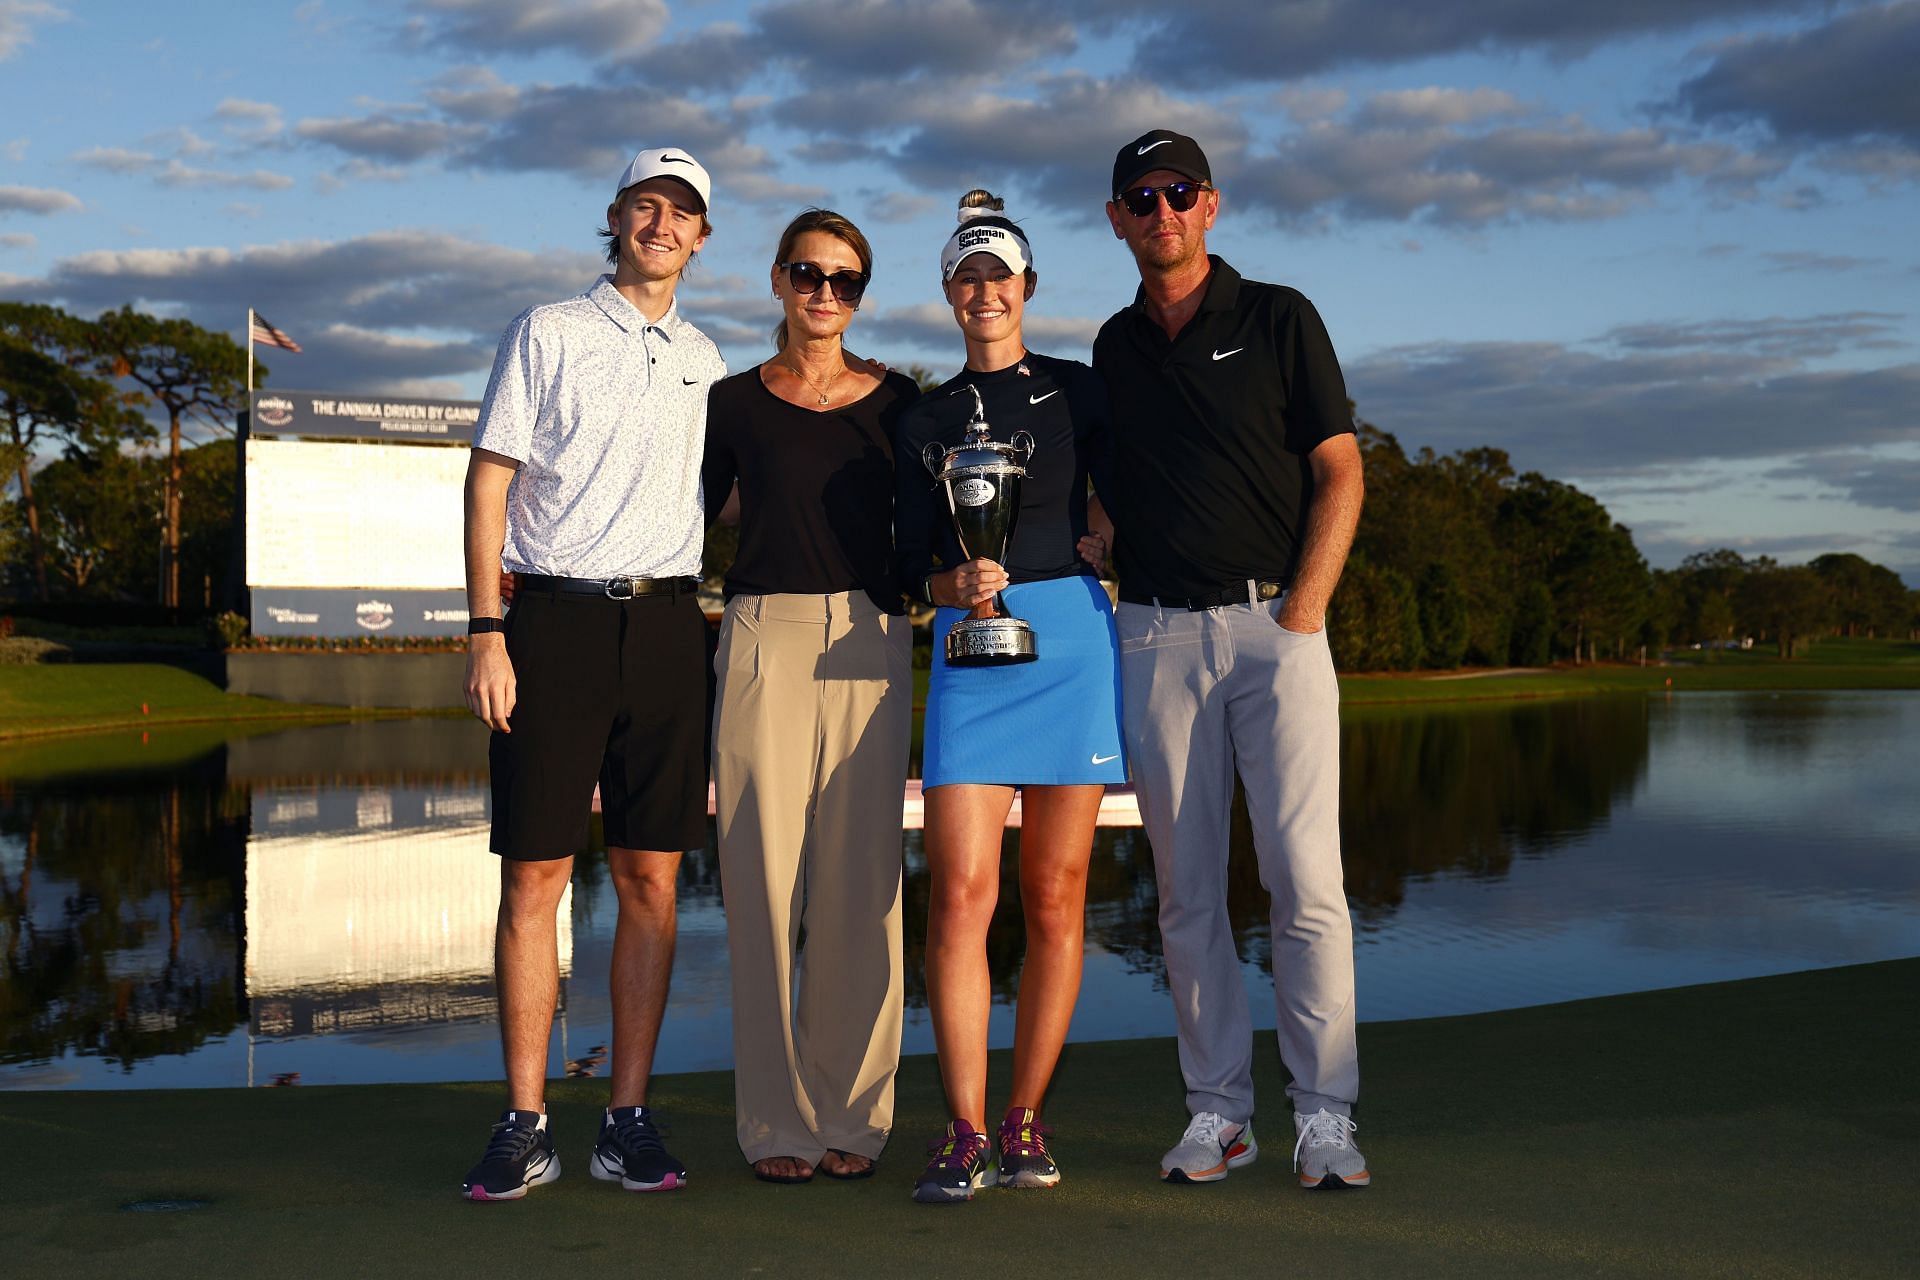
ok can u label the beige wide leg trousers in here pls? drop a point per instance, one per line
(809, 763)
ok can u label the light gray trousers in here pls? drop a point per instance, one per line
(1207, 693)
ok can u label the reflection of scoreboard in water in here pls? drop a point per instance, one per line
(372, 907)
(353, 518)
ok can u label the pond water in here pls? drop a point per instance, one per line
(316, 904)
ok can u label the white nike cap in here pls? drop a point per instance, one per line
(668, 162)
(1159, 149)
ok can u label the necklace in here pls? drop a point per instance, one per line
(824, 388)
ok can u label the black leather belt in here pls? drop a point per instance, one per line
(1263, 589)
(620, 588)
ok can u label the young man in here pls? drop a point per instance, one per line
(585, 485)
(1239, 489)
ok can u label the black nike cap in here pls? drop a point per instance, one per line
(1159, 149)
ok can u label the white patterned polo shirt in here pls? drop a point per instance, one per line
(607, 415)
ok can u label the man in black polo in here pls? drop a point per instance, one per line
(1239, 489)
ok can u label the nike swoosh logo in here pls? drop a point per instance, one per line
(1222, 355)
(675, 160)
(1100, 759)
(1038, 399)
(688, 382)
(1151, 145)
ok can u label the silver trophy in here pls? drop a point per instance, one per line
(981, 478)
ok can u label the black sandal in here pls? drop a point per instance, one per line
(873, 1166)
(785, 1179)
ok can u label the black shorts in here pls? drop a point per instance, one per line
(613, 691)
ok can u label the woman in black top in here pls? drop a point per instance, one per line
(810, 726)
(1049, 728)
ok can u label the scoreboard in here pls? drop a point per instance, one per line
(353, 514)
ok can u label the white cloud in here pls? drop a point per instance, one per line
(1470, 159)
(374, 311)
(249, 120)
(1643, 398)
(18, 18)
(179, 174)
(115, 159)
(40, 200)
(384, 137)
(1201, 42)
(591, 28)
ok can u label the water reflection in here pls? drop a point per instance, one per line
(371, 907)
(120, 914)
(319, 902)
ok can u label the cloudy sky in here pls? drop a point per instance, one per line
(1653, 247)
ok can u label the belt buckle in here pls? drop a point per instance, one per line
(1268, 590)
(620, 582)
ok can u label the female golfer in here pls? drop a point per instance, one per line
(1049, 728)
(810, 726)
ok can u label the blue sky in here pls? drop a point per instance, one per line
(1661, 248)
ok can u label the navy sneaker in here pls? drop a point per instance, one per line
(961, 1165)
(1024, 1158)
(630, 1152)
(519, 1155)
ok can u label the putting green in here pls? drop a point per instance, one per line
(1750, 1129)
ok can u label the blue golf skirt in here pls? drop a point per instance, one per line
(1049, 722)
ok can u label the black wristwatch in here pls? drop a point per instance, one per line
(480, 626)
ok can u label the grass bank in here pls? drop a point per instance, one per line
(1830, 664)
(1750, 1129)
(50, 698)
(46, 698)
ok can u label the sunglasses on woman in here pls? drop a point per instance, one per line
(1180, 197)
(806, 279)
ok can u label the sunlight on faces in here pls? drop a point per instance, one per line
(1164, 239)
(818, 314)
(988, 298)
(656, 227)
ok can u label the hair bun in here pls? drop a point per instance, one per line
(980, 203)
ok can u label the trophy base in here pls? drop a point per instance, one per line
(990, 642)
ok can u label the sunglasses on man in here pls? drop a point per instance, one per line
(1180, 197)
(807, 277)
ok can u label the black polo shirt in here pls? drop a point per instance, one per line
(1212, 431)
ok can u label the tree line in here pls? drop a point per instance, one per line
(105, 519)
(1459, 560)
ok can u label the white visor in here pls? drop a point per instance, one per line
(974, 237)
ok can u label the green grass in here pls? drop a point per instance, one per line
(65, 697)
(1832, 664)
(62, 697)
(1752, 1129)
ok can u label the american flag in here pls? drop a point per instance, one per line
(268, 336)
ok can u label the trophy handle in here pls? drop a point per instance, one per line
(1024, 443)
(934, 457)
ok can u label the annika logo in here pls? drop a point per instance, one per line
(275, 411)
(373, 615)
(973, 492)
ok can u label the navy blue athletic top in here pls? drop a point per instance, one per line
(1062, 404)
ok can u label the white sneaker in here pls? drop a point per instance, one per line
(1211, 1145)
(1324, 1154)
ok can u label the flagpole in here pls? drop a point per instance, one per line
(249, 355)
